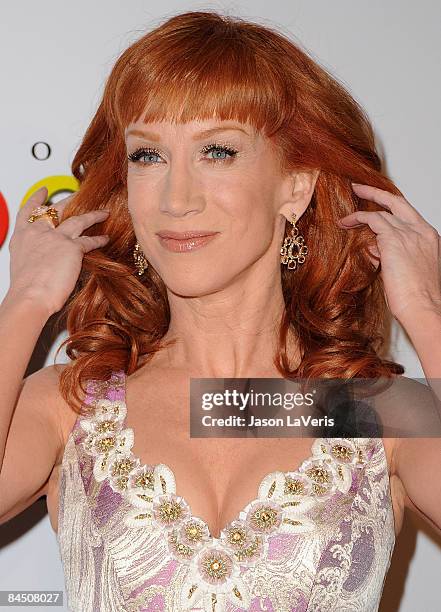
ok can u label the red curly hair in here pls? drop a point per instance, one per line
(335, 303)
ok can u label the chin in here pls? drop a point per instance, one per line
(196, 281)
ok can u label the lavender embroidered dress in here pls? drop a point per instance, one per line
(319, 538)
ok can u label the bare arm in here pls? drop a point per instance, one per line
(30, 434)
(418, 465)
(21, 322)
(418, 460)
(29, 425)
(423, 327)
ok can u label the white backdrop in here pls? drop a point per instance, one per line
(55, 57)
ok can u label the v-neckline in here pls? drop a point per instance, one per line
(121, 374)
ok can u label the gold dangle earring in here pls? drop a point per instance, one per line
(141, 262)
(293, 241)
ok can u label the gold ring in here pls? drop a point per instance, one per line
(45, 211)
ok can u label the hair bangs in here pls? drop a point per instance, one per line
(188, 78)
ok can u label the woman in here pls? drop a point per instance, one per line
(260, 150)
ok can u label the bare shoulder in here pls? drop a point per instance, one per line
(41, 390)
(407, 408)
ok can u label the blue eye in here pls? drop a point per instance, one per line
(220, 148)
(136, 156)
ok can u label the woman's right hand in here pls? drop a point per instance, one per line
(45, 262)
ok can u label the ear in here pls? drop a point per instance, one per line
(301, 187)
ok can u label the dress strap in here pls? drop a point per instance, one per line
(112, 389)
(97, 391)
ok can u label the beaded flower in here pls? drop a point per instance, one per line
(214, 564)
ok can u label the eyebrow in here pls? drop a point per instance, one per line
(198, 136)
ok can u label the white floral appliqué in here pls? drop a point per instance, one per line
(214, 564)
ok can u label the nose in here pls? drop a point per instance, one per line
(181, 194)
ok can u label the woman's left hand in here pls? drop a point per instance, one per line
(408, 248)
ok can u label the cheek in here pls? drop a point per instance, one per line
(137, 198)
(251, 216)
(136, 186)
(249, 238)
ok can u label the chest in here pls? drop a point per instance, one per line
(217, 477)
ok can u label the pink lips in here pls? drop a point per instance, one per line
(183, 235)
(179, 242)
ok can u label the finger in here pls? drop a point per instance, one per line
(61, 205)
(88, 243)
(37, 199)
(74, 226)
(397, 204)
(379, 219)
(374, 256)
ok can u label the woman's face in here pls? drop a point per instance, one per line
(183, 179)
